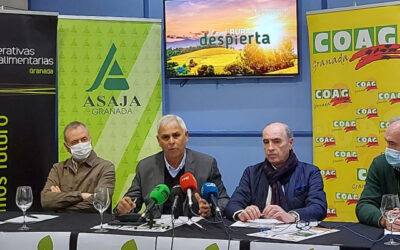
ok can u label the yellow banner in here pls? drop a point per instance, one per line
(355, 73)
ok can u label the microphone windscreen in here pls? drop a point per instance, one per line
(207, 189)
(188, 181)
(160, 193)
(176, 191)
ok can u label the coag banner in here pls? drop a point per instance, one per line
(27, 102)
(354, 56)
(110, 78)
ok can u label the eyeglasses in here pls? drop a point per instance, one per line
(306, 225)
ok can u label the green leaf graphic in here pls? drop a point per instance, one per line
(129, 245)
(212, 247)
(45, 244)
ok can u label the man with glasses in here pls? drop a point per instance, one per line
(71, 183)
(280, 187)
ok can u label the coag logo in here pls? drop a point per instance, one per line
(368, 112)
(331, 212)
(348, 155)
(383, 124)
(366, 85)
(362, 174)
(350, 198)
(337, 96)
(346, 125)
(328, 174)
(394, 97)
(353, 39)
(369, 141)
(326, 141)
(112, 76)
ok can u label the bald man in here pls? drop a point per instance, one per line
(383, 178)
(280, 187)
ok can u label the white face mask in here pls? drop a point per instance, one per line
(81, 150)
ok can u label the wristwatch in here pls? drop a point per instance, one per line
(295, 215)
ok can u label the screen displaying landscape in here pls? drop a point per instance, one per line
(230, 38)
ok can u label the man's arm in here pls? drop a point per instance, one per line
(107, 179)
(315, 203)
(367, 209)
(134, 193)
(241, 198)
(57, 200)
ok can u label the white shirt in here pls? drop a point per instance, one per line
(174, 171)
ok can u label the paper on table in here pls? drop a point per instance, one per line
(394, 233)
(258, 223)
(291, 233)
(31, 218)
(162, 224)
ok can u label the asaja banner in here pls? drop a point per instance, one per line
(27, 102)
(110, 79)
(354, 56)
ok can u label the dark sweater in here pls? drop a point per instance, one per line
(382, 179)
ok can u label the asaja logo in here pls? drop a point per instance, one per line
(348, 197)
(346, 125)
(328, 174)
(393, 97)
(348, 155)
(113, 78)
(362, 174)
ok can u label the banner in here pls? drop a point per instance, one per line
(354, 56)
(110, 79)
(27, 103)
(35, 240)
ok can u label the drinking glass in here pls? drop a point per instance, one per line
(24, 199)
(390, 210)
(101, 201)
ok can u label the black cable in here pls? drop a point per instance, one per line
(354, 232)
(173, 230)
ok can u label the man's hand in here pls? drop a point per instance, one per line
(85, 195)
(276, 212)
(125, 205)
(395, 226)
(249, 213)
(204, 207)
(55, 189)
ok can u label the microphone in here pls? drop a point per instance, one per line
(209, 191)
(189, 185)
(158, 196)
(176, 196)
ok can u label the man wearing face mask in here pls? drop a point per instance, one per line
(383, 178)
(71, 183)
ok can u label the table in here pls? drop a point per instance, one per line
(75, 228)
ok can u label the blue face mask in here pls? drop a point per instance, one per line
(393, 157)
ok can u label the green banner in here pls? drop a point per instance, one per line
(110, 78)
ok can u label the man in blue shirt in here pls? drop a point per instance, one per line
(281, 187)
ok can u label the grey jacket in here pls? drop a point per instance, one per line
(150, 172)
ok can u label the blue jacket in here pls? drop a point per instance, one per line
(304, 192)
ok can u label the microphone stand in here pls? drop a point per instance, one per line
(151, 220)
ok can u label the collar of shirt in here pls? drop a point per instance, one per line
(90, 161)
(174, 171)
